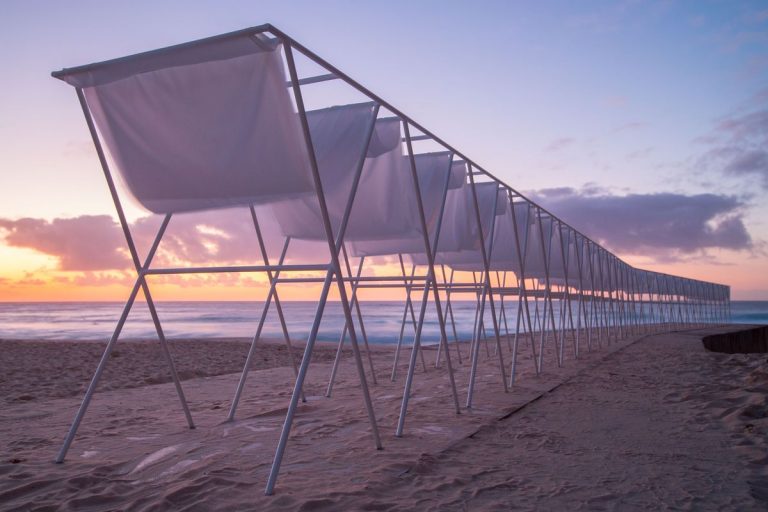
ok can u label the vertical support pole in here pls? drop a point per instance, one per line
(140, 283)
(408, 286)
(257, 335)
(343, 337)
(546, 252)
(521, 255)
(110, 345)
(449, 307)
(430, 248)
(486, 254)
(356, 303)
(334, 270)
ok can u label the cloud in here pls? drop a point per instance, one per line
(30, 279)
(640, 154)
(667, 225)
(616, 101)
(738, 148)
(97, 278)
(631, 126)
(748, 163)
(90, 249)
(613, 17)
(748, 126)
(92, 244)
(559, 144)
(88, 242)
(225, 236)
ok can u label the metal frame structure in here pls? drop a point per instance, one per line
(612, 299)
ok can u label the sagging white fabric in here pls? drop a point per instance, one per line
(385, 207)
(459, 241)
(503, 256)
(339, 137)
(206, 134)
(549, 252)
(460, 230)
(435, 171)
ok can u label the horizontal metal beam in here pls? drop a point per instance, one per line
(314, 79)
(168, 49)
(414, 138)
(236, 268)
(361, 279)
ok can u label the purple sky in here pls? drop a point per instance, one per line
(645, 124)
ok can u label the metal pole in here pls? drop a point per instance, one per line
(141, 282)
(407, 285)
(339, 348)
(257, 335)
(356, 303)
(521, 254)
(108, 349)
(430, 248)
(486, 255)
(335, 269)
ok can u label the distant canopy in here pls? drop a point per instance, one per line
(385, 203)
(460, 240)
(435, 171)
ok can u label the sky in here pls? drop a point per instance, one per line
(644, 124)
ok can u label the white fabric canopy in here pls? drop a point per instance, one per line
(536, 255)
(385, 207)
(339, 138)
(432, 170)
(207, 134)
(459, 241)
(504, 254)
(460, 230)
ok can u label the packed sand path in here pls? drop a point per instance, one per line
(652, 422)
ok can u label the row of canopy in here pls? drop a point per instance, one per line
(221, 130)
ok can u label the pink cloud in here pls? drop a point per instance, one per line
(667, 225)
(88, 242)
(95, 243)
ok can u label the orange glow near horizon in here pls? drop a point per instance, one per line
(41, 282)
(28, 276)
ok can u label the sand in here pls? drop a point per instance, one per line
(651, 422)
(33, 370)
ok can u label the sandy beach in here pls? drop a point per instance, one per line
(651, 422)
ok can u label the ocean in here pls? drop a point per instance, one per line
(96, 320)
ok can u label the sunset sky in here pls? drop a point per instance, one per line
(643, 124)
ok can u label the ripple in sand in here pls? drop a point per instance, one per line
(155, 457)
(144, 438)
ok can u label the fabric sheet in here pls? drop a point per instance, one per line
(503, 256)
(433, 170)
(204, 135)
(459, 243)
(339, 138)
